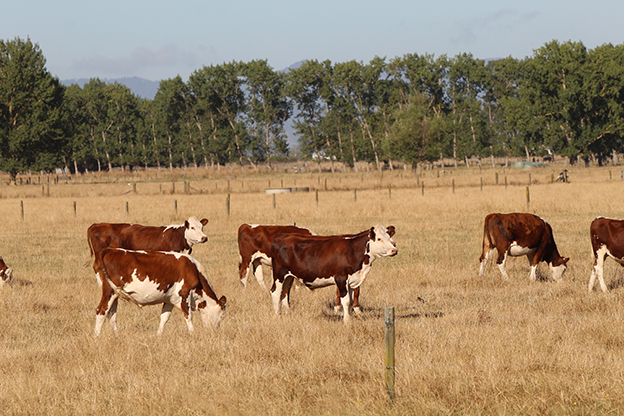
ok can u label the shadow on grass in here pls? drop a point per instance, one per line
(375, 314)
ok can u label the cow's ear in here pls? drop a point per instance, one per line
(222, 301)
(204, 221)
(566, 260)
(391, 230)
(186, 224)
(371, 233)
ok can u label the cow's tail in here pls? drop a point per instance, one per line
(91, 252)
(487, 239)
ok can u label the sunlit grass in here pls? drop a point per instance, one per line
(464, 344)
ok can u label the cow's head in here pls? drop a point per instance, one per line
(211, 311)
(194, 230)
(6, 273)
(380, 242)
(558, 268)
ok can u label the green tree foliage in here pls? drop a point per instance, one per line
(565, 100)
(32, 134)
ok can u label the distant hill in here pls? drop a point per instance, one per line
(141, 87)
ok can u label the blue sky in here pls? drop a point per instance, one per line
(161, 39)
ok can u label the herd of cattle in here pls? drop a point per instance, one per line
(152, 265)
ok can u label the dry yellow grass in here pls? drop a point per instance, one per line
(465, 345)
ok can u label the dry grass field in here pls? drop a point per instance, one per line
(464, 344)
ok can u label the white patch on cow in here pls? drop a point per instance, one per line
(172, 227)
(320, 282)
(516, 250)
(145, 292)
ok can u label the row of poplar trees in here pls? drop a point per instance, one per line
(564, 100)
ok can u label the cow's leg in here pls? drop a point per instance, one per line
(112, 313)
(165, 313)
(258, 272)
(356, 301)
(276, 294)
(598, 270)
(485, 257)
(338, 303)
(502, 260)
(108, 300)
(243, 270)
(285, 296)
(531, 258)
(345, 300)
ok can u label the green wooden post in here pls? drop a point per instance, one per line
(227, 204)
(355, 195)
(481, 183)
(74, 208)
(127, 208)
(273, 200)
(316, 197)
(389, 350)
(175, 206)
(528, 198)
(22, 210)
(453, 185)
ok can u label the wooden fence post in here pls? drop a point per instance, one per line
(175, 206)
(74, 208)
(22, 210)
(316, 197)
(227, 204)
(127, 208)
(389, 350)
(528, 198)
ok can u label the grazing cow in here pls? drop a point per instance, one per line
(254, 246)
(319, 261)
(607, 239)
(150, 278)
(6, 273)
(178, 238)
(520, 234)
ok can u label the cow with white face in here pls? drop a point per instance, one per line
(320, 261)
(521, 234)
(6, 273)
(150, 278)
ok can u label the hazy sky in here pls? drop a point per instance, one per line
(161, 39)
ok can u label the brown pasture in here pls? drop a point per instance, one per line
(464, 344)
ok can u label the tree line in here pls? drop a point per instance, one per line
(564, 100)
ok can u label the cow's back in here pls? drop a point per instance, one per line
(307, 256)
(104, 235)
(259, 237)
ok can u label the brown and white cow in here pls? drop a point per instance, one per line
(6, 273)
(150, 278)
(254, 246)
(520, 234)
(178, 238)
(319, 261)
(607, 239)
